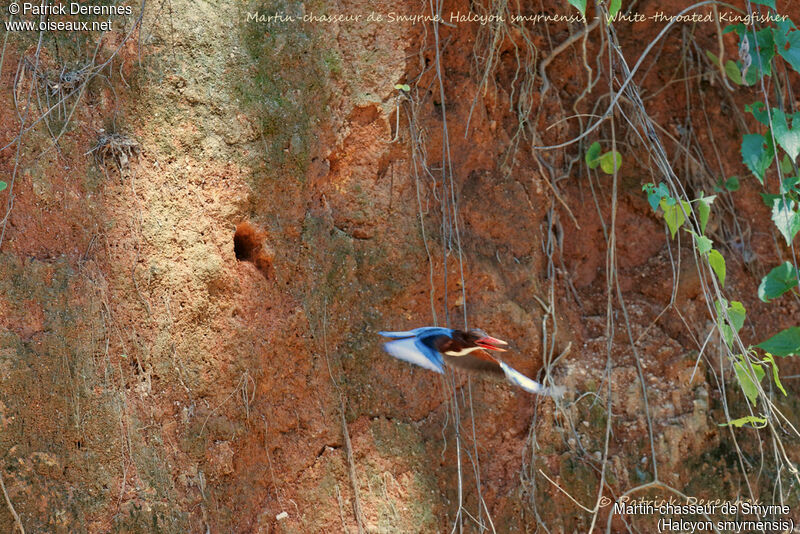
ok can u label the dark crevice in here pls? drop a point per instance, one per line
(248, 245)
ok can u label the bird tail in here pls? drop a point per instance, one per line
(529, 385)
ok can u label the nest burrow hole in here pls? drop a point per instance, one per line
(248, 245)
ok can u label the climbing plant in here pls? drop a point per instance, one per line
(758, 49)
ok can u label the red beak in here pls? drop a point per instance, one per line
(491, 343)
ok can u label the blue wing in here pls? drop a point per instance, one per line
(411, 350)
(422, 332)
(409, 333)
(531, 386)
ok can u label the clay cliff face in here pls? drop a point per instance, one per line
(193, 277)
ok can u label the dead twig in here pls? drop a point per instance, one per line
(17, 521)
(345, 432)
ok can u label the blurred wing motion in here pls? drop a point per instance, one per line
(532, 386)
(476, 362)
(407, 349)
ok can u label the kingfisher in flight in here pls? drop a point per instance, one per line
(432, 347)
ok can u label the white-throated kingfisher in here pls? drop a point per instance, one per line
(432, 347)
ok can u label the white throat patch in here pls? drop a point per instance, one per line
(462, 352)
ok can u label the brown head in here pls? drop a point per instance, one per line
(462, 343)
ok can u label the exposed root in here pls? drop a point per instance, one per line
(117, 147)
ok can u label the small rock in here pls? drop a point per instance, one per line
(46, 464)
(220, 456)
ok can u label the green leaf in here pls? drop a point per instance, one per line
(613, 8)
(779, 280)
(703, 244)
(673, 214)
(762, 61)
(738, 28)
(784, 343)
(769, 200)
(768, 357)
(788, 138)
(736, 314)
(788, 43)
(717, 263)
(732, 183)
(786, 165)
(3, 185)
(593, 155)
(731, 68)
(402, 87)
(786, 218)
(759, 111)
(704, 209)
(733, 72)
(580, 5)
(757, 154)
(788, 185)
(750, 419)
(749, 386)
(785, 25)
(610, 161)
(655, 194)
